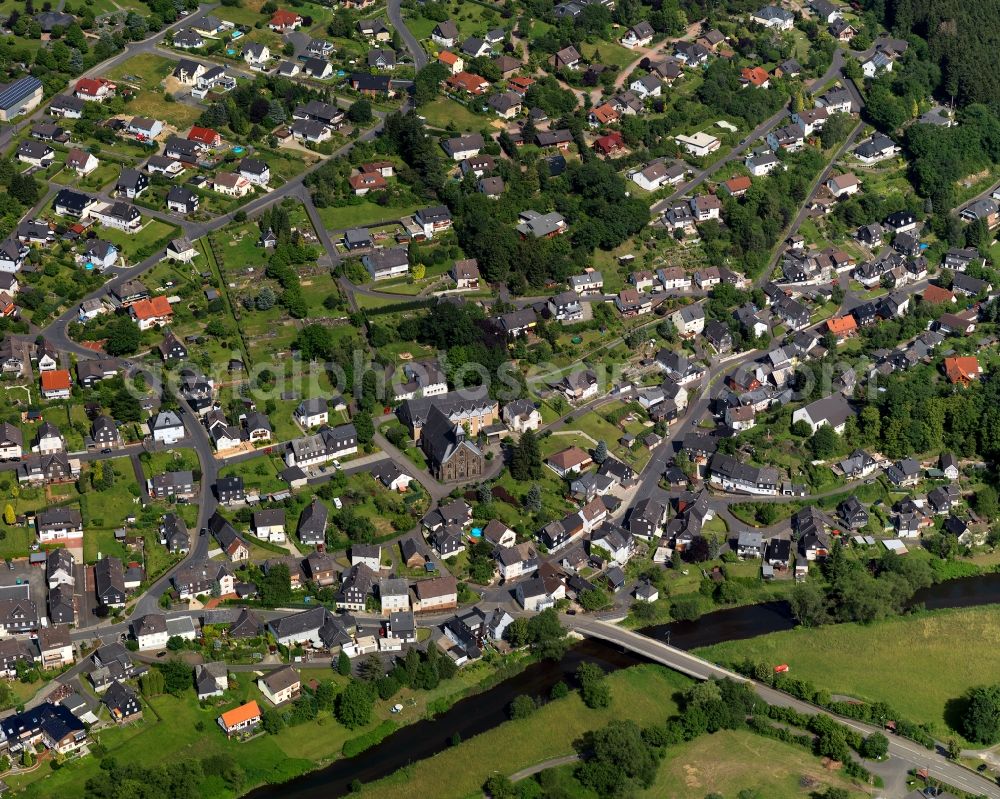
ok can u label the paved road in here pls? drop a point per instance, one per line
(412, 45)
(939, 766)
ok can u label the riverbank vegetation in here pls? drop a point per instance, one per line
(623, 759)
(920, 665)
(643, 694)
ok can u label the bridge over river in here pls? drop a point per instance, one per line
(906, 751)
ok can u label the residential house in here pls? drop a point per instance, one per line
(280, 686)
(833, 410)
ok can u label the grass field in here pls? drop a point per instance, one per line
(364, 213)
(518, 744)
(918, 664)
(730, 761)
(444, 111)
(152, 231)
(610, 53)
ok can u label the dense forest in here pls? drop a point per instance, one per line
(964, 40)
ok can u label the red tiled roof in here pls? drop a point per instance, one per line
(92, 86)
(755, 75)
(961, 369)
(241, 714)
(738, 184)
(152, 308)
(936, 294)
(204, 135)
(842, 324)
(283, 18)
(56, 380)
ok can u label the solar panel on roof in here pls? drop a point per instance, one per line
(15, 92)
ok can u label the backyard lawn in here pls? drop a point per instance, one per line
(152, 232)
(610, 53)
(444, 111)
(944, 652)
(363, 213)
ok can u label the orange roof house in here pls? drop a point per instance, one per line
(520, 84)
(154, 311)
(450, 60)
(936, 294)
(609, 144)
(467, 82)
(755, 76)
(738, 186)
(56, 382)
(284, 20)
(605, 114)
(962, 370)
(240, 718)
(205, 136)
(842, 326)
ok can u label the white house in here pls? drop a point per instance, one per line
(166, 427)
(256, 55)
(521, 415)
(698, 144)
(150, 631)
(312, 413)
(833, 411)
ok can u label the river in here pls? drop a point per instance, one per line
(482, 712)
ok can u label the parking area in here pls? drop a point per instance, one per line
(23, 577)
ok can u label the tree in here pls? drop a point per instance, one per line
(364, 426)
(594, 688)
(344, 665)
(620, 761)
(601, 451)
(875, 746)
(122, 337)
(275, 586)
(824, 442)
(526, 459)
(594, 599)
(273, 721)
(522, 707)
(808, 604)
(499, 786)
(360, 112)
(176, 676)
(698, 551)
(981, 721)
(8, 514)
(533, 499)
(427, 82)
(354, 705)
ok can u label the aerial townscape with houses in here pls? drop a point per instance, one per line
(527, 399)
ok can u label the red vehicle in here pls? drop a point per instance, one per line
(782, 669)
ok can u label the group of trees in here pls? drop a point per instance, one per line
(962, 38)
(280, 267)
(723, 92)
(543, 633)
(857, 591)
(756, 221)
